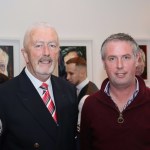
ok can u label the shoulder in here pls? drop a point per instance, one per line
(92, 84)
(62, 84)
(9, 84)
(91, 88)
(142, 86)
(3, 78)
(12, 86)
(90, 106)
(92, 100)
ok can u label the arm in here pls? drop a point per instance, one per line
(80, 105)
(85, 134)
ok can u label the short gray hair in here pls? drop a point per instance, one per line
(119, 37)
(34, 26)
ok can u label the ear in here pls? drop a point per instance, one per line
(25, 54)
(138, 55)
(104, 65)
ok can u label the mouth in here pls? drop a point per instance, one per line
(45, 60)
(70, 81)
(120, 75)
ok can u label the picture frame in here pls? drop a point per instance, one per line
(11, 47)
(144, 44)
(85, 46)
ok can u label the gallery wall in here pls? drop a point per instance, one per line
(78, 20)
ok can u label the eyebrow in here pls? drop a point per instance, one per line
(45, 41)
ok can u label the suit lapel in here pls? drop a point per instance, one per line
(61, 101)
(59, 97)
(82, 92)
(34, 104)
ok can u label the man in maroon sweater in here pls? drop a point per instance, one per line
(118, 116)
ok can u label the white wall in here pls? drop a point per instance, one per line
(78, 19)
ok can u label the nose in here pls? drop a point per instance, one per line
(68, 77)
(46, 50)
(119, 63)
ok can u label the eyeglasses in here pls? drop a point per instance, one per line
(50, 45)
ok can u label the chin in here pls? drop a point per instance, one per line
(46, 71)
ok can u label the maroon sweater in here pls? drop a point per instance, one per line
(100, 129)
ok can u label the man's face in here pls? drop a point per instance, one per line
(3, 65)
(42, 53)
(140, 68)
(120, 63)
(141, 65)
(73, 73)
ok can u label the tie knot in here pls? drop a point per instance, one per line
(44, 86)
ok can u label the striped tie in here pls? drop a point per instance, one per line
(48, 101)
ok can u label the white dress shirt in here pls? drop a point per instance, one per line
(37, 83)
(81, 85)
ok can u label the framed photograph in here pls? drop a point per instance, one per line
(145, 46)
(83, 48)
(9, 57)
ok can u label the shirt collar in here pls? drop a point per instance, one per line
(82, 84)
(107, 87)
(37, 83)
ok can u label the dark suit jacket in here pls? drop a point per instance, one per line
(88, 89)
(27, 123)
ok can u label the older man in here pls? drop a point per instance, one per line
(37, 109)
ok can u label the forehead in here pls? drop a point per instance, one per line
(118, 47)
(43, 34)
(2, 57)
(71, 67)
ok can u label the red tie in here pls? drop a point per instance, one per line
(48, 101)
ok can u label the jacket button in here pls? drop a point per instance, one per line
(36, 145)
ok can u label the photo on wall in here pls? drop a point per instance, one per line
(144, 74)
(9, 57)
(6, 61)
(144, 45)
(73, 51)
(83, 49)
